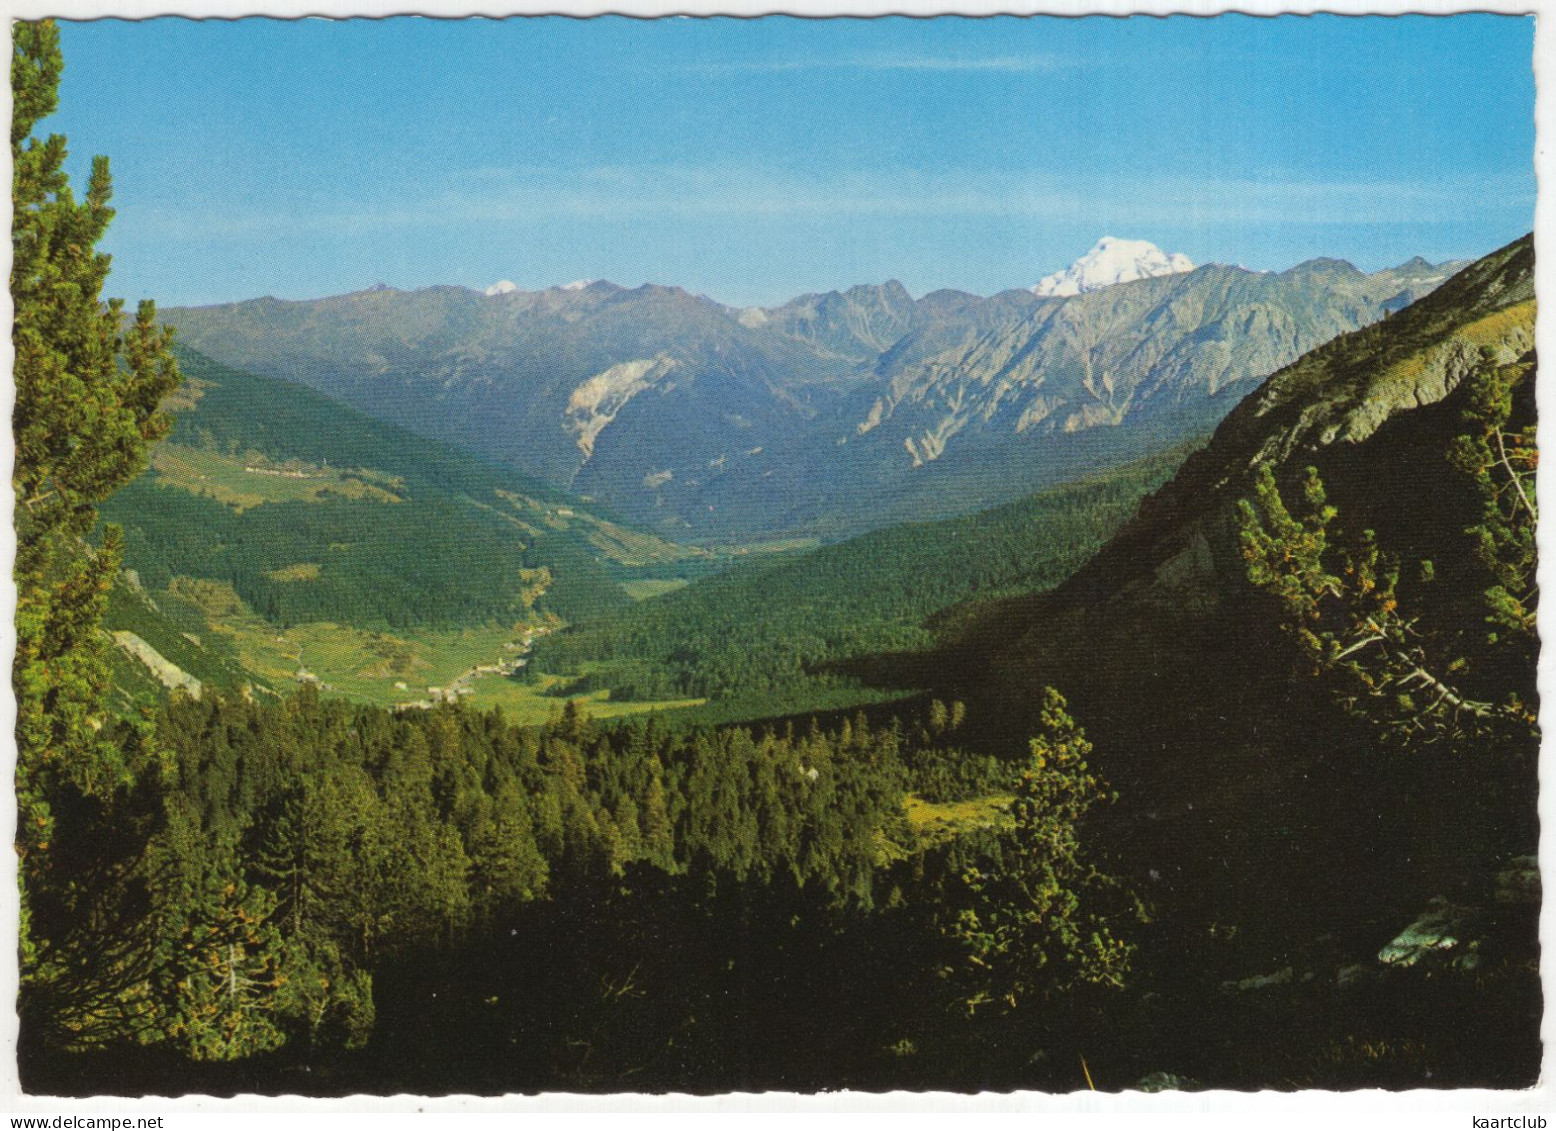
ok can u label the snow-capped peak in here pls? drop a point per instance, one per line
(577, 284)
(1112, 261)
(505, 287)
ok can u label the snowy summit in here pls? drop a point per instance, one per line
(508, 286)
(1112, 261)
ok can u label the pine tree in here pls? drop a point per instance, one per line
(331, 999)
(658, 831)
(506, 864)
(1044, 922)
(221, 970)
(87, 392)
(1500, 461)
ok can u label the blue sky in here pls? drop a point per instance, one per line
(753, 160)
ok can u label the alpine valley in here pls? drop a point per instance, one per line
(1124, 682)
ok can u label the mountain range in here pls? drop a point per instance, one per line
(828, 415)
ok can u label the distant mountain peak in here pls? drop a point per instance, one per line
(578, 284)
(502, 287)
(1112, 261)
(1325, 264)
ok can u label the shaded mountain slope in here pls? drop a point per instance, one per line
(1321, 409)
(1247, 793)
(1288, 854)
(164, 643)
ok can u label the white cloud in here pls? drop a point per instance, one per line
(735, 193)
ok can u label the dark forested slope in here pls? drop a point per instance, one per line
(1284, 788)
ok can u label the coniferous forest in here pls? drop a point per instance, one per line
(1212, 765)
